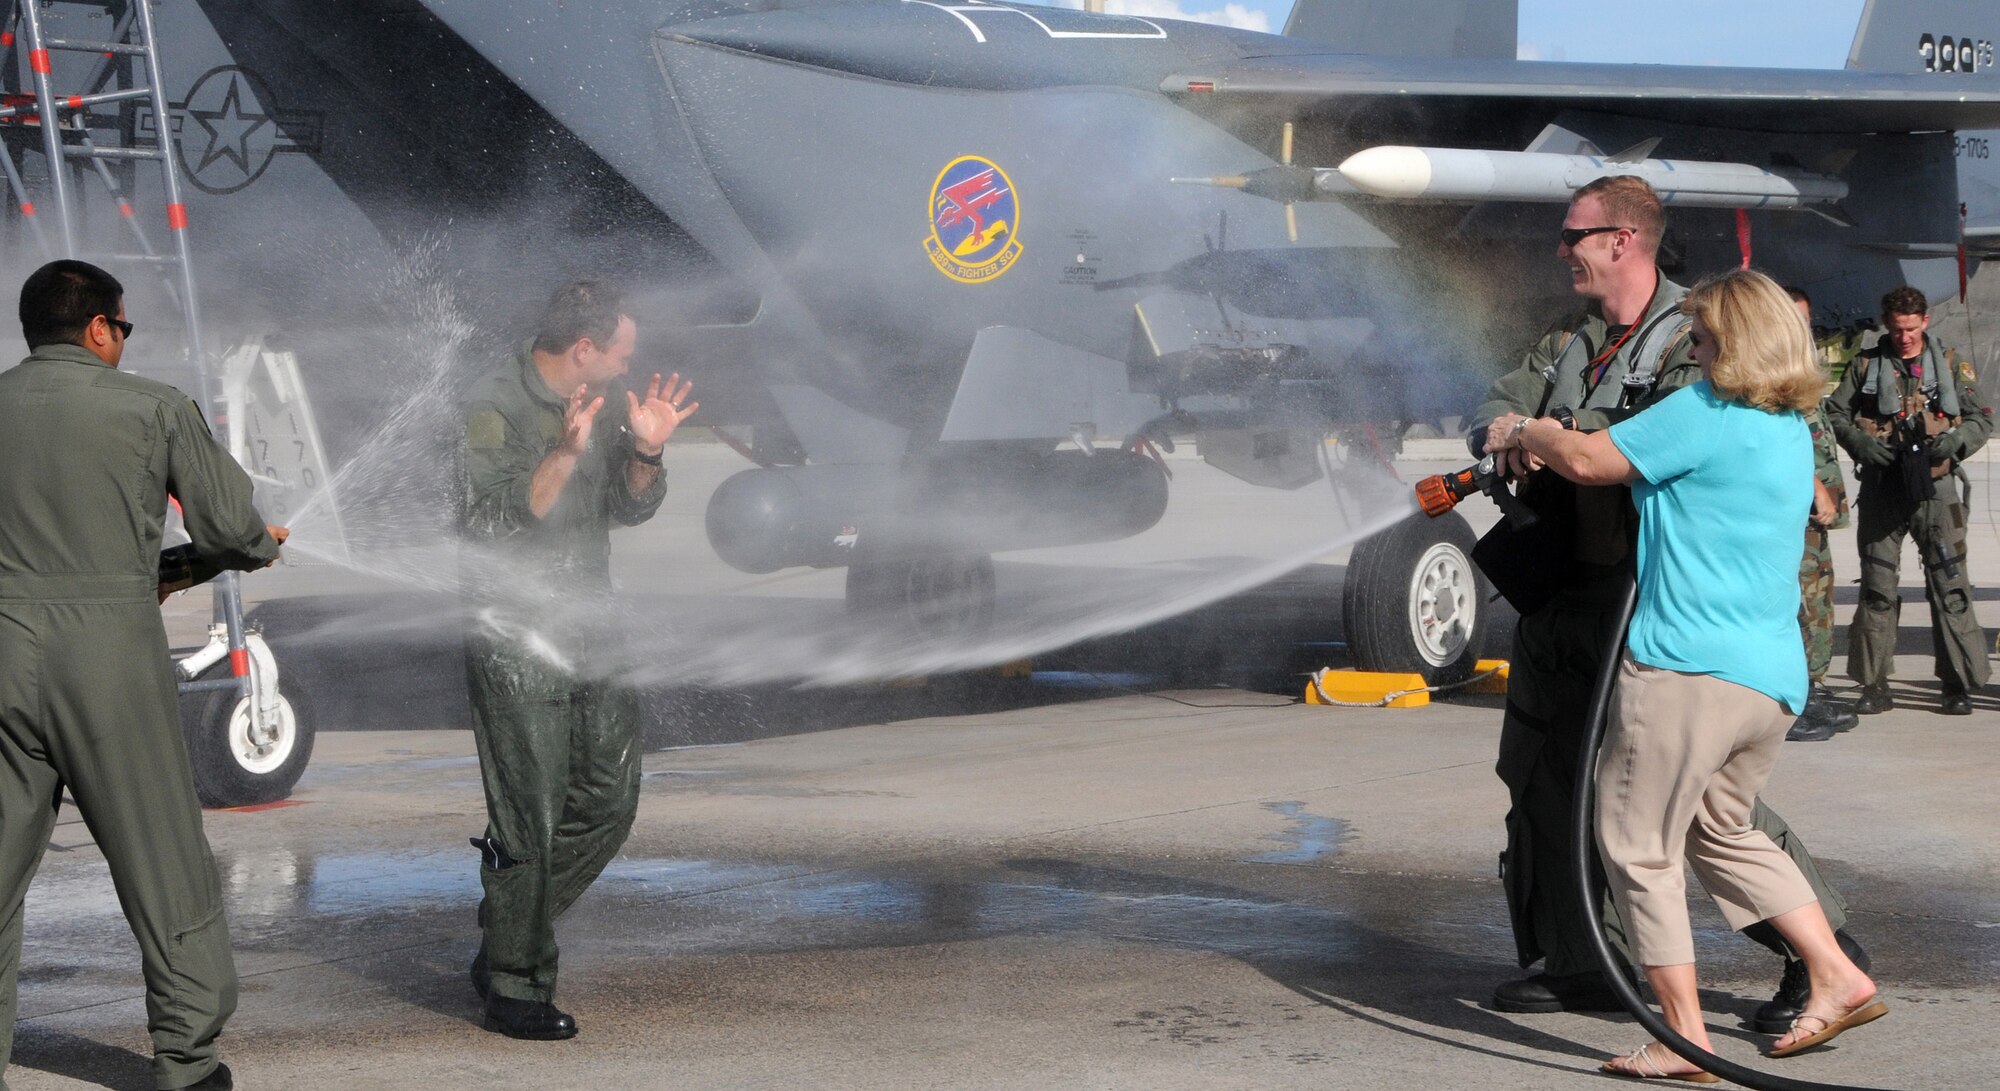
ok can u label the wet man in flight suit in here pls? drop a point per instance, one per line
(1597, 367)
(88, 456)
(1909, 383)
(552, 455)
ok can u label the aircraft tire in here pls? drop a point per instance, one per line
(936, 596)
(1414, 602)
(230, 768)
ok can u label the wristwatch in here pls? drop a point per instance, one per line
(1561, 415)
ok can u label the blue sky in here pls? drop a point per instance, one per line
(1754, 33)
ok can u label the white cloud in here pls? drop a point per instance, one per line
(1241, 16)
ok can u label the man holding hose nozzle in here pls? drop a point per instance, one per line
(1909, 412)
(88, 457)
(1597, 368)
(1714, 671)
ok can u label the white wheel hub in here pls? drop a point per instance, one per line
(262, 751)
(1444, 603)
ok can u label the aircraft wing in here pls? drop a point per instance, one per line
(1757, 99)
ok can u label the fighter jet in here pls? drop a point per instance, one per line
(953, 269)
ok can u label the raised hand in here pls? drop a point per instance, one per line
(577, 419)
(654, 418)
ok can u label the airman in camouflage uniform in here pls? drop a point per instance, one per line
(1823, 716)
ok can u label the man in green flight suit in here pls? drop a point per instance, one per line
(1909, 411)
(552, 455)
(88, 457)
(1590, 371)
(1823, 716)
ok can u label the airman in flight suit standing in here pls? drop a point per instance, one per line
(88, 456)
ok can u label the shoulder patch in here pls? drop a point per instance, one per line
(1965, 373)
(485, 430)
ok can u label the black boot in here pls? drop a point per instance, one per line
(1956, 701)
(1809, 727)
(1775, 1015)
(218, 1080)
(1874, 699)
(534, 1020)
(1542, 993)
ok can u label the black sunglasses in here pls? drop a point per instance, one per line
(123, 327)
(1572, 235)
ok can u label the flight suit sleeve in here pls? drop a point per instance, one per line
(1975, 423)
(496, 471)
(1839, 407)
(214, 492)
(632, 510)
(1519, 391)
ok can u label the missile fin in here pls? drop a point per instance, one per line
(1637, 153)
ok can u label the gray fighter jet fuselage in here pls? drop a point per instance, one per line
(957, 263)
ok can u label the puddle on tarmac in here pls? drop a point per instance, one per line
(694, 905)
(1311, 836)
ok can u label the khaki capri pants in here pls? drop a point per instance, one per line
(1683, 761)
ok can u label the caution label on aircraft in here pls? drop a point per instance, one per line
(975, 221)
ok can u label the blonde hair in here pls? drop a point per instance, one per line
(1629, 202)
(1763, 352)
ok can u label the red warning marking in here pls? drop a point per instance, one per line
(1200, 87)
(239, 662)
(27, 208)
(6, 39)
(76, 101)
(255, 807)
(38, 59)
(125, 208)
(177, 216)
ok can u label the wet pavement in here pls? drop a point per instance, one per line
(1042, 882)
(1119, 892)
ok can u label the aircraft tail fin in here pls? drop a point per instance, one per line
(1410, 28)
(1954, 38)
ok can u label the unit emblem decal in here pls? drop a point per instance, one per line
(975, 221)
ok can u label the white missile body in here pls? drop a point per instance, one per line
(1400, 172)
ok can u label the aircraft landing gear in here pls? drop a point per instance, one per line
(937, 596)
(1414, 602)
(245, 748)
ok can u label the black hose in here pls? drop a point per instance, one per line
(1585, 849)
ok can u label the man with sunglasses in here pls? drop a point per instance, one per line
(1625, 350)
(88, 457)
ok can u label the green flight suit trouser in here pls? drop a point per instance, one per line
(559, 756)
(1556, 655)
(87, 702)
(1957, 642)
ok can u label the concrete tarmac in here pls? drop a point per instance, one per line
(1207, 887)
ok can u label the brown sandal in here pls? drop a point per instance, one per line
(1867, 1011)
(1641, 1059)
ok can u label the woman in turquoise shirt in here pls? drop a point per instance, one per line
(1714, 671)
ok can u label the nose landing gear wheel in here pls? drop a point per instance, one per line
(235, 764)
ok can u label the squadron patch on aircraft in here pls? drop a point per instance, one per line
(975, 221)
